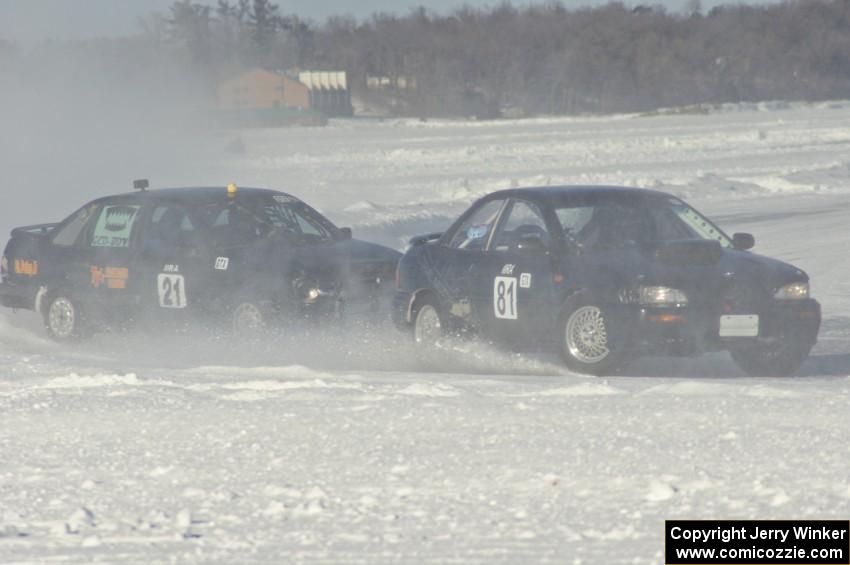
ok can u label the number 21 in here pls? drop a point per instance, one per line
(172, 291)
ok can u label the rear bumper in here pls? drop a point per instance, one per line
(401, 309)
(17, 296)
(690, 331)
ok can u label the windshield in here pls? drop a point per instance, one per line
(296, 220)
(673, 219)
(614, 222)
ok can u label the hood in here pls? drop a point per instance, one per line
(730, 264)
(348, 252)
(704, 270)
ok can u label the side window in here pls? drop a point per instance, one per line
(170, 227)
(524, 219)
(473, 232)
(234, 225)
(69, 233)
(574, 218)
(614, 225)
(114, 225)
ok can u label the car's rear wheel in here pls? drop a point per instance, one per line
(64, 320)
(781, 358)
(586, 346)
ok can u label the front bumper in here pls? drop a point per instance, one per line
(692, 330)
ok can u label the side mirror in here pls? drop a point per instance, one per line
(743, 241)
(531, 243)
(343, 234)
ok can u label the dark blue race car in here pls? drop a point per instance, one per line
(247, 257)
(604, 274)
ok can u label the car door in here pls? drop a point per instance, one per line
(515, 276)
(101, 264)
(460, 260)
(175, 262)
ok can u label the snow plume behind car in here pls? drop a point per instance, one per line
(80, 120)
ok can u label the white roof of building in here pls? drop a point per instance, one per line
(324, 80)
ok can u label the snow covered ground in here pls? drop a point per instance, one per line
(329, 448)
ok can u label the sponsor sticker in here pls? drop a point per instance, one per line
(114, 226)
(112, 277)
(26, 268)
(508, 269)
(525, 280)
(221, 263)
(477, 232)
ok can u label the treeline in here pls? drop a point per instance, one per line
(543, 59)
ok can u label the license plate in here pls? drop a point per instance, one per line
(739, 326)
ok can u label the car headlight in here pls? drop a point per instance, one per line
(793, 291)
(654, 296)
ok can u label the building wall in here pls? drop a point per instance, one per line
(262, 89)
(329, 92)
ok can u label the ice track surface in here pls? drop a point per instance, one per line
(331, 447)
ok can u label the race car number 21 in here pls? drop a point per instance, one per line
(504, 298)
(172, 291)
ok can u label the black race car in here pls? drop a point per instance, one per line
(604, 274)
(246, 256)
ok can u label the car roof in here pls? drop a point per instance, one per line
(553, 192)
(198, 193)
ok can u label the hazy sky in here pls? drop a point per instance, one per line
(33, 20)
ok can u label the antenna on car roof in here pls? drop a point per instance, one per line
(141, 184)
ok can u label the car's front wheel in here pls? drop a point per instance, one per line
(64, 319)
(781, 358)
(249, 319)
(427, 325)
(586, 346)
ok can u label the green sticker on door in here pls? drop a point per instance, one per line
(114, 226)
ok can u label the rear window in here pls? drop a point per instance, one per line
(68, 234)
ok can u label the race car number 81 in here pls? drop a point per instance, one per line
(172, 291)
(504, 298)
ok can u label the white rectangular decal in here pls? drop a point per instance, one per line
(221, 263)
(739, 326)
(504, 298)
(172, 291)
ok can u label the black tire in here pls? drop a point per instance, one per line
(779, 359)
(584, 339)
(250, 319)
(427, 326)
(64, 320)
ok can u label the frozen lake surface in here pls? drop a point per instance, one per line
(331, 447)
